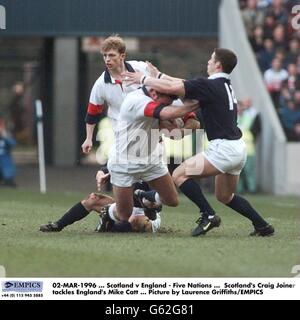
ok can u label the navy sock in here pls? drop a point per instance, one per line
(76, 213)
(123, 226)
(243, 207)
(193, 191)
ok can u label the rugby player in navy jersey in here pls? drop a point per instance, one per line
(226, 153)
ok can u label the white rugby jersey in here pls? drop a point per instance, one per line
(112, 92)
(136, 143)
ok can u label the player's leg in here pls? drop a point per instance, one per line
(164, 191)
(96, 201)
(225, 186)
(75, 213)
(124, 206)
(184, 177)
(197, 166)
(80, 210)
(124, 202)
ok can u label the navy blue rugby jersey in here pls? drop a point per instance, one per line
(218, 104)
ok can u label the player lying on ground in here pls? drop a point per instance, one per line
(145, 215)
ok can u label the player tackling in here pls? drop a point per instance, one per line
(226, 153)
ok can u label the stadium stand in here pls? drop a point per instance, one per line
(276, 45)
(278, 159)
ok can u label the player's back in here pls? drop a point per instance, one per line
(218, 104)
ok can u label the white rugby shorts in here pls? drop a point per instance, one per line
(120, 178)
(228, 156)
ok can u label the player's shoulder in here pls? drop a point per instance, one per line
(200, 81)
(137, 65)
(100, 80)
(137, 97)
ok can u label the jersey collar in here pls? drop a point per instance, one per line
(146, 92)
(219, 75)
(109, 79)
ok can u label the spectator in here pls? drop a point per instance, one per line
(264, 4)
(279, 37)
(257, 39)
(7, 166)
(274, 78)
(294, 51)
(290, 117)
(252, 16)
(247, 116)
(16, 110)
(269, 25)
(279, 12)
(266, 55)
(293, 77)
(280, 54)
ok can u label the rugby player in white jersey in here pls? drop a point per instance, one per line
(137, 153)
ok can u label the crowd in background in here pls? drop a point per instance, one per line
(276, 44)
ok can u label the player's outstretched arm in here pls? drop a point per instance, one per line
(168, 85)
(155, 73)
(173, 112)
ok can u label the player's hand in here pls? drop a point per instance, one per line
(153, 71)
(168, 124)
(132, 77)
(192, 124)
(101, 179)
(87, 146)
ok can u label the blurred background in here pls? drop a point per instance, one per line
(49, 50)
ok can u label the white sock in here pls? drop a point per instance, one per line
(157, 198)
(111, 212)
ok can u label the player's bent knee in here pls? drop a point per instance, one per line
(172, 202)
(89, 202)
(178, 178)
(223, 198)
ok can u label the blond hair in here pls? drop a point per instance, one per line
(113, 42)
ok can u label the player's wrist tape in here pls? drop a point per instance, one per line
(190, 115)
(143, 78)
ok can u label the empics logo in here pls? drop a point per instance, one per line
(296, 19)
(22, 286)
(2, 18)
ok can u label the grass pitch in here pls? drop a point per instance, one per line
(78, 251)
